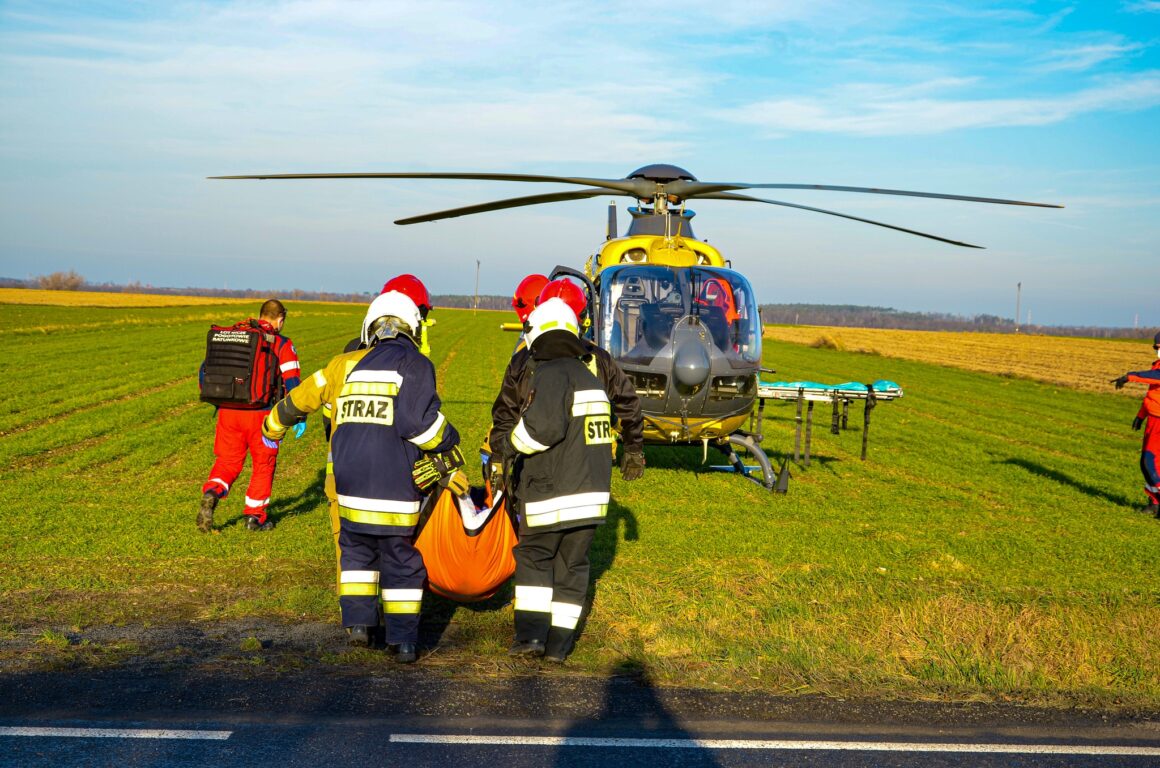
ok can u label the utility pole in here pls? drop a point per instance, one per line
(475, 304)
(1018, 296)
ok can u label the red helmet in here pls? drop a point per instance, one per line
(572, 294)
(527, 292)
(413, 288)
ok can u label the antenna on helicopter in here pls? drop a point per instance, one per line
(612, 230)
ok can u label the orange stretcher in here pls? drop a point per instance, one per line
(467, 548)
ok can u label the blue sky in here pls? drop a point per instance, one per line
(113, 113)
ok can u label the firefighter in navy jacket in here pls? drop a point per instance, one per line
(390, 444)
(560, 483)
(1148, 417)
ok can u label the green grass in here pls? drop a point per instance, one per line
(986, 550)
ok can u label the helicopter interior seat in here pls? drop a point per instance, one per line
(655, 326)
(713, 318)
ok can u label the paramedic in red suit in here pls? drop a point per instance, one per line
(1148, 417)
(240, 432)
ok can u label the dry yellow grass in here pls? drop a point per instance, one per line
(99, 299)
(1086, 364)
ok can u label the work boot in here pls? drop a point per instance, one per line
(527, 648)
(358, 636)
(406, 653)
(205, 512)
(252, 524)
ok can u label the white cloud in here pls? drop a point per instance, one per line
(1084, 57)
(868, 110)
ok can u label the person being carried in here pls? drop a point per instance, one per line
(238, 430)
(560, 482)
(391, 444)
(1148, 417)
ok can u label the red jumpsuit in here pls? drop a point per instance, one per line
(1150, 451)
(240, 432)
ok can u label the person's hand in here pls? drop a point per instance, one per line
(271, 444)
(1137, 423)
(1120, 382)
(495, 476)
(299, 429)
(632, 464)
(425, 473)
(456, 482)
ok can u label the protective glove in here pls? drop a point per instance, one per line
(1120, 382)
(435, 467)
(495, 477)
(299, 429)
(272, 444)
(632, 464)
(456, 482)
(1137, 423)
(425, 473)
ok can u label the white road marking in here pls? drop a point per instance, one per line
(115, 733)
(843, 746)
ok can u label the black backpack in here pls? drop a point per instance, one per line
(241, 367)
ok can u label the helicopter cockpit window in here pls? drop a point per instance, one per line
(724, 301)
(640, 305)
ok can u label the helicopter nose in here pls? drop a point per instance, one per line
(691, 364)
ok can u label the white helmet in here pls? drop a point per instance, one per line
(552, 315)
(392, 304)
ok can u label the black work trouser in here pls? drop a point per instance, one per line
(551, 581)
(391, 562)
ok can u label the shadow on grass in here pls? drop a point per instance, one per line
(1059, 477)
(312, 497)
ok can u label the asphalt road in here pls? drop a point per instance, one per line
(414, 717)
(215, 708)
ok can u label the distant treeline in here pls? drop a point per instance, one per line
(842, 315)
(847, 315)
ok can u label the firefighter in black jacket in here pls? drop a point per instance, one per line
(617, 385)
(560, 483)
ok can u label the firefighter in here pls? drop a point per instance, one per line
(560, 483)
(617, 385)
(413, 287)
(1148, 417)
(390, 445)
(239, 432)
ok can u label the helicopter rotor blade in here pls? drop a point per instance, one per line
(513, 202)
(733, 196)
(692, 189)
(635, 187)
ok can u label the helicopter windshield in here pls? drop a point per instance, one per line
(640, 304)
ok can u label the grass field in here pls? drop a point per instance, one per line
(988, 549)
(1087, 364)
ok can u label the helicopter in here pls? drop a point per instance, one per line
(683, 325)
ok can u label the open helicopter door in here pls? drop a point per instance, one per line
(467, 549)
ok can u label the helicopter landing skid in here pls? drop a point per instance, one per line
(778, 482)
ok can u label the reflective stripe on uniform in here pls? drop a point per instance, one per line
(253, 503)
(381, 388)
(290, 366)
(433, 435)
(358, 583)
(383, 512)
(590, 402)
(537, 599)
(402, 600)
(225, 486)
(525, 443)
(376, 377)
(564, 509)
(319, 378)
(566, 615)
